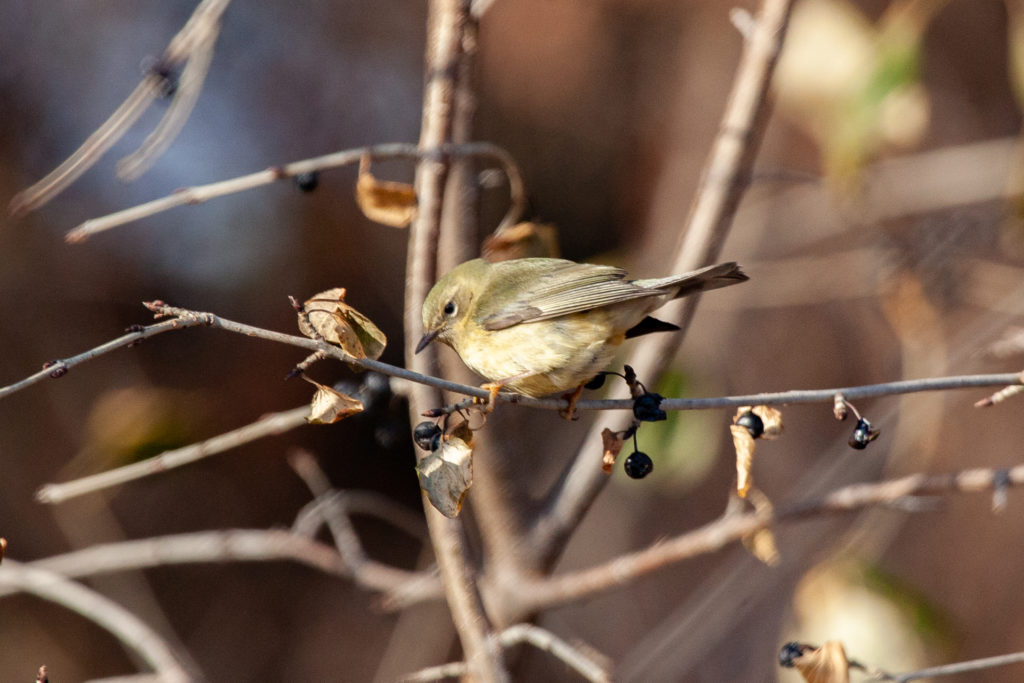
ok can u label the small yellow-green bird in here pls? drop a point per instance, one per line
(539, 326)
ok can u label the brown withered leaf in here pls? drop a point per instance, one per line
(827, 664)
(331, 319)
(761, 543)
(771, 418)
(384, 201)
(3, 548)
(744, 444)
(446, 475)
(329, 405)
(612, 445)
(521, 240)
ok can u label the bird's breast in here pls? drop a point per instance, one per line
(543, 357)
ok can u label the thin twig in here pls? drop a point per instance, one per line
(366, 503)
(185, 318)
(55, 369)
(540, 638)
(198, 34)
(133, 633)
(346, 540)
(961, 667)
(543, 593)
(394, 150)
(268, 425)
(233, 545)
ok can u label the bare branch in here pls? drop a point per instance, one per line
(721, 185)
(133, 633)
(961, 667)
(268, 425)
(55, 369)
(185, 318)
(395, 150)
(540, 638)
(544, 593)
(449, 31)
(365, 571)
(195, 38)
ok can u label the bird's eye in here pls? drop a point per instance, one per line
(449, 308)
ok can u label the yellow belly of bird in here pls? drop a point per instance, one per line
(543, 357)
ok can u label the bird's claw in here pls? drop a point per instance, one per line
(573, 397)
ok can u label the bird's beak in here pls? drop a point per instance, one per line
(427, 338)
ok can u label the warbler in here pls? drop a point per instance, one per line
(539, 326)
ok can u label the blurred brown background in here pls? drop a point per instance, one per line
(609, 108)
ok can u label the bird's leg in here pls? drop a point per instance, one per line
(488, 403)
(493, 388)
(569, 412)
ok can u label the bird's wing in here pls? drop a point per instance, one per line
(565, 289)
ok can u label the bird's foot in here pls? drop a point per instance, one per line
(487, 404)
(573, 397)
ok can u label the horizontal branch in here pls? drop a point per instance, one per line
(542, 593)
(232, 545)
(960, 667)
(394, 150)
(184, 318)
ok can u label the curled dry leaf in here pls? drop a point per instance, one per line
(383, 201)
(521, 240)
(745, 429)
(612, 445)
(827, 664)
(328, 317)
(744, 444)
(329, 405)
(761, 543)
(3, 548)
(771, 418)
(446, 475)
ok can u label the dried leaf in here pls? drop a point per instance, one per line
(328, 317)
(329, 405)
(772, 420)
(522, 240)
(384, 201)
(612, 445)
(827, 664)
(446, 475)
(744, 444)
(761, 544)
(3, 548)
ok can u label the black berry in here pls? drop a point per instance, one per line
(646, 408)
(307, 182)
(595, 383)
(424, 434)
(863, 434)
(753, 423)
(638, 465)
(789, 653)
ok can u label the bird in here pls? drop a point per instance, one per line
(541, 326)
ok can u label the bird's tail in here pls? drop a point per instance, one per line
(711, 277)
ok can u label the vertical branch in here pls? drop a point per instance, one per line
(446, 33)
(721, 185)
